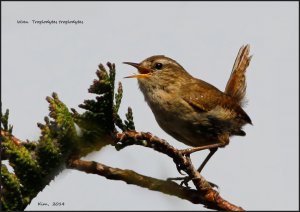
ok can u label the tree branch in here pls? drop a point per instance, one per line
(131, 177)
(209, 197)
(203, 194)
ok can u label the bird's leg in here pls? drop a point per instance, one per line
(211, 153)
(212, 147)
(196, 149)
(186, 180)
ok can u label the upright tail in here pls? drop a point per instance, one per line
(236, 85)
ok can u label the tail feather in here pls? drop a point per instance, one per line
(236, 85)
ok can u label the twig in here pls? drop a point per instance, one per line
(204, 194)
(211, 198)
(131, 177)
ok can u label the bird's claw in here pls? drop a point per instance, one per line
(187, 179)
(184, 181)
(178, 164)
(179, 169)
(213, 185)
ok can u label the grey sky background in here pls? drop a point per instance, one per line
(259, 171)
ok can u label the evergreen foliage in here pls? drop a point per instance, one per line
(66, 134)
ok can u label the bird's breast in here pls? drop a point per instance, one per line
(174, 115)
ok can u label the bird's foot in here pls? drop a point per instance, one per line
(181, 162)
(180, 167)
(184, 180)
(187, 179)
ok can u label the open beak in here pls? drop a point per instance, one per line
(143, 72)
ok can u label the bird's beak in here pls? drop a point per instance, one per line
(143, 72)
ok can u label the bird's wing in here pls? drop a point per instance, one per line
(236, 85)
(205, 97)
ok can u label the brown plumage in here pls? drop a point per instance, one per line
(191, 110)
(236, 85)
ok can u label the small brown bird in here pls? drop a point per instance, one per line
(191, 110)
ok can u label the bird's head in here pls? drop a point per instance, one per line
(158, 65)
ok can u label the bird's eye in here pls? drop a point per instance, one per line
(158, 66)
